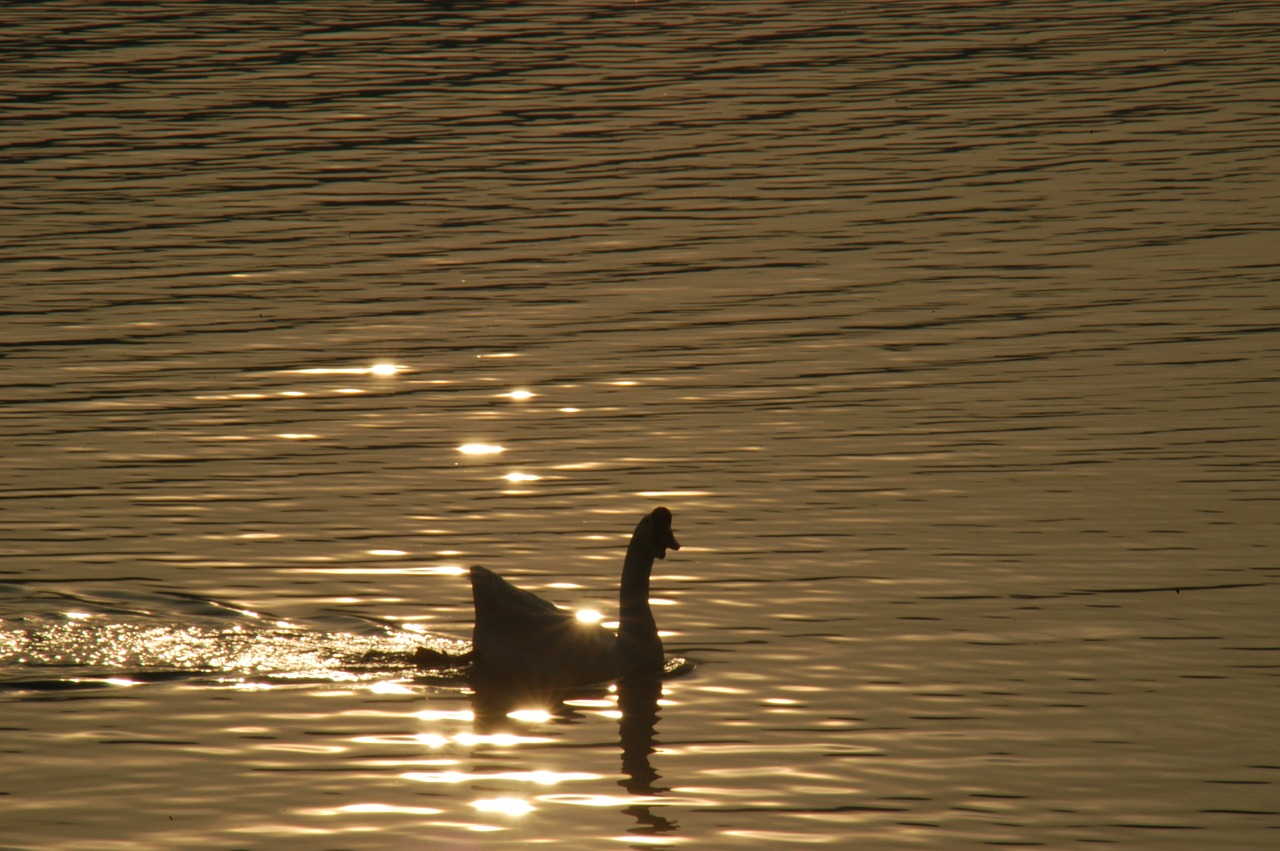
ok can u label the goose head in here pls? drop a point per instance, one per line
(661, 538)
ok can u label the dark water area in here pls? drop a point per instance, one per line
(948, 332)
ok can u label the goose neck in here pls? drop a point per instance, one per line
(638, 645)
(633, 596)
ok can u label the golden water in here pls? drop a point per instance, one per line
(948, 332)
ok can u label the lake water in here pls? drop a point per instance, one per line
(948, 331)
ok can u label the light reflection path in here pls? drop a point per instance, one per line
(76, 648)
(507, 718)
(382, 369)
(80, 652)
(501, 720)
(637, 732)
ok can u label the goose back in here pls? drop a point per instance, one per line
(519, 635)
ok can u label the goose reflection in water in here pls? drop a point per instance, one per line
(637, 733)
(497, 704)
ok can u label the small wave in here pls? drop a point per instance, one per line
(78, 655)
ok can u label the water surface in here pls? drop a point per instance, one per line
(948, 333)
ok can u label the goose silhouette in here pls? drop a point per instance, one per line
(520, 637)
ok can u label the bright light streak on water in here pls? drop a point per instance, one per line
(513, 807)
(481, 449)
(285, 654)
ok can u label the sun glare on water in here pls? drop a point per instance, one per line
(514, 807)
(481, 449)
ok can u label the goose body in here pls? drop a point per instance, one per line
(520, 636)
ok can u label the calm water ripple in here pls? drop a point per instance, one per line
(948, 332)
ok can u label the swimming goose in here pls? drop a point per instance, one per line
(520, 636)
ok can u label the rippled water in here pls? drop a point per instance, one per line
(947, 331)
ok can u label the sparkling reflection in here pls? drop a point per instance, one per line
(481, 449)
(664, 494)
(382, 369)
(530, 716)
(389, 688)
(514, 807)
(359, 809)
(281, 653)
(643, 839)
(502, 740)
(538, 778)
(434, 570)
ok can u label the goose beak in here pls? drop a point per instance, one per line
(669, 544)
(660, 523)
